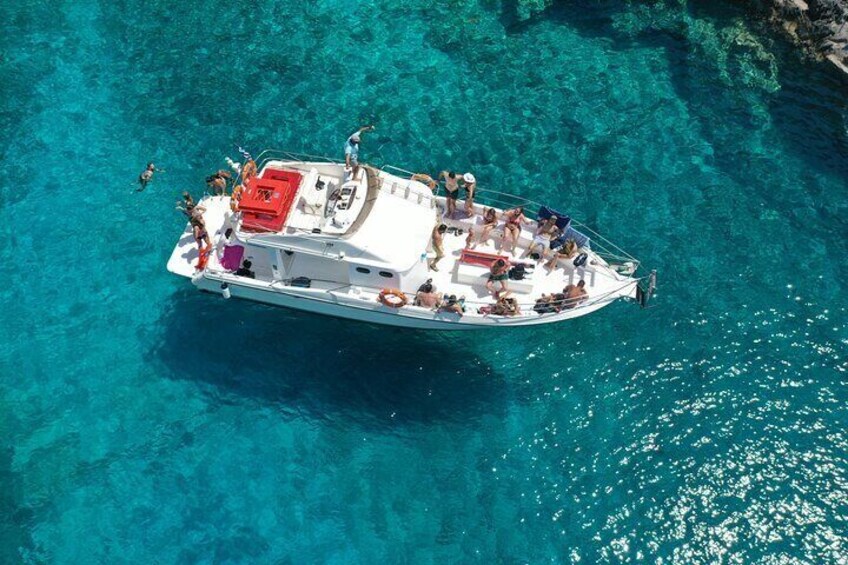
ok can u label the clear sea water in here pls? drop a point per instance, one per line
(143, 422)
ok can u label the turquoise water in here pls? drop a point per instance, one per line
(143, 422)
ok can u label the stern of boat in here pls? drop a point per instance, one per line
(185, 256)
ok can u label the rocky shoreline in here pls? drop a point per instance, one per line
(819, 26)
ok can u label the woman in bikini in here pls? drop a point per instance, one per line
(490, 222)
(470, 188)
(201, 236)
(512, 227)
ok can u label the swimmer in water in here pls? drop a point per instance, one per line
(147, 175)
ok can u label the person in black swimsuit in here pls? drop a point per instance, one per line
(244, 270)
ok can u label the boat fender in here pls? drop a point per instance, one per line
(580, 260)
(225, 291)
(393, 298)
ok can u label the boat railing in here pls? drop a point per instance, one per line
(601, 246)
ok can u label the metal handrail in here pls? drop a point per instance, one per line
(607, 250)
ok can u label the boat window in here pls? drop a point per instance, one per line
(386, 274)
(363, 270)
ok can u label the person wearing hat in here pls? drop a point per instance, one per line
(470, 188)
(352, 149)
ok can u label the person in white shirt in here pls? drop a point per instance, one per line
(351, 149)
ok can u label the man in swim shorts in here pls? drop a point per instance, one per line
(546, 231)
(498, 272)
(438, 245)
(451, 190)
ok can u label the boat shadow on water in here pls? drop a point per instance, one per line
(323, 367)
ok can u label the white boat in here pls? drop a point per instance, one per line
(324, 242)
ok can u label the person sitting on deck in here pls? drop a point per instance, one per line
(351, 150)
(451, 191)
(427, 297)
(505, 306)
(470, 184)
(217, 182)
(453, 305)
(574, 294)
(490, 222)
(549, 303)
(498, 272)
(244, 270)
(566, 251)
(438, 241)
(546, 231)
(512, 227)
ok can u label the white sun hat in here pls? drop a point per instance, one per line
(469, 178)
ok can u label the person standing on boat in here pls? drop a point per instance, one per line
(438, 245)
(470, 189)
(451, 190)
(352, 149)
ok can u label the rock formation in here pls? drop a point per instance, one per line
(820, 26)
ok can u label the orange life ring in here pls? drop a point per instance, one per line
(393, 298)
(426, 179)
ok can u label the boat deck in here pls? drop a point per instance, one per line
(460, 279)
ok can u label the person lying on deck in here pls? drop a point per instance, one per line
(549, 303)
(498, 272)
(546, 231)
(512, 227)
(574, 295)
(490, 222)
(505, 306)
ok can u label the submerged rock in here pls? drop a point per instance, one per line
(820, 26)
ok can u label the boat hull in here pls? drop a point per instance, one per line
(366, 310)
